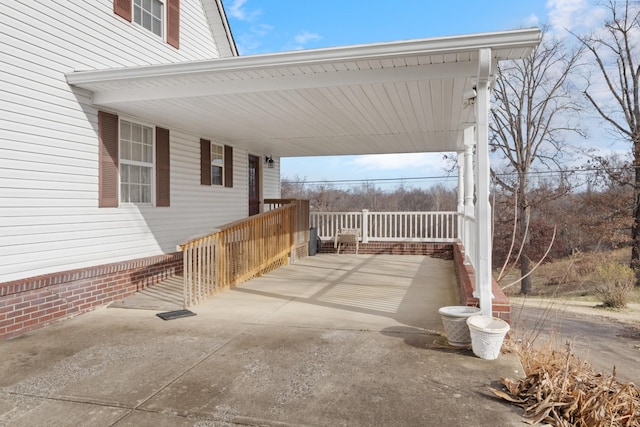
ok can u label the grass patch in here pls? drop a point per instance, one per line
(573, 277)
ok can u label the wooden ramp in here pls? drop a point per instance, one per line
(165, 296)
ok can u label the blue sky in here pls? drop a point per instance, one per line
(262, 26)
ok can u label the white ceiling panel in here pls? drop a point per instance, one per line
(371, 99)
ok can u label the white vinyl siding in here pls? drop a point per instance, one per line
(84, 35)
(271, 181)
(44, 231)
(49, 215)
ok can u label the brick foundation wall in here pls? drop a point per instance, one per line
(466, 280)
(35, 302)
(392, 248)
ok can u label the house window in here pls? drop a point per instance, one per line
(217, 164)
(153, 15)
(150, 15)
(136, 163)
(126, 162)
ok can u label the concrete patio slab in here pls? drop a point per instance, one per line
(122, 367)
(329, 341)
(364, 292)
(310, 376)
(47, 412)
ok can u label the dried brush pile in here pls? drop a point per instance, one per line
(561, 390)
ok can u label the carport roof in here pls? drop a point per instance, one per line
(396, 97)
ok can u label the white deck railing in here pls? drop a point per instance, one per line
(389, 226)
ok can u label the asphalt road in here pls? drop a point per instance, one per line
(604, 342)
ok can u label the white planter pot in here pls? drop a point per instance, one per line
(454, 319)
(487, 335)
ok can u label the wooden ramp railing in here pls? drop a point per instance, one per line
(301, 221)
(244, 249)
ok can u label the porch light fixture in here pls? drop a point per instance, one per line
(269, 162)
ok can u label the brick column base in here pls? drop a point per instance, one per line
(466, 282)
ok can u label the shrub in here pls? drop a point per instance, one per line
(615, 283)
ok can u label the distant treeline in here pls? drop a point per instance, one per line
(593, 218)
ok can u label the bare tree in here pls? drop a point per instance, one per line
(616, 50)
(533, 110)
(294, 188)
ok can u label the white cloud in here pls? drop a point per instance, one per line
(532, 20)
(305, 37)
(251, 41)
(238, 11)
(261, 30)
(409, 163)
(301, 40)
(574, 15)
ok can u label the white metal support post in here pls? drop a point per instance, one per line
(483, 207)
(365, 225)
(461, 189)
(469, 189)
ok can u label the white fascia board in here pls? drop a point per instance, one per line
(171, 90)
(514, 39)
(227, 28)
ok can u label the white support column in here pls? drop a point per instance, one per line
(365, 225)
(483, 207)
(469, 208)
(460, 208)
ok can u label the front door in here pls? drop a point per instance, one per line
(254, 185)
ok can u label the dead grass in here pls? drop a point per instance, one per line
(561, 390)
(571, 277)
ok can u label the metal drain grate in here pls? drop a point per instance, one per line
(176, 314)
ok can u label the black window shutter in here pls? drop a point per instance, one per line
(173, 23)
(107, 160)
(122, 8)
(163, 182)
(205, 162)
(228, 166)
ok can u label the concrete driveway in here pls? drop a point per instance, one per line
(330, 341)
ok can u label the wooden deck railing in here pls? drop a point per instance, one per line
(244, 249)
(301, 221)
(390, 226)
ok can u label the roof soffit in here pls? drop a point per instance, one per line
(383, 98)
(228, 83)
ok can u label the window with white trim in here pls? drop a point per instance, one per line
(150, 15)
(136, 162)
(217, 164)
